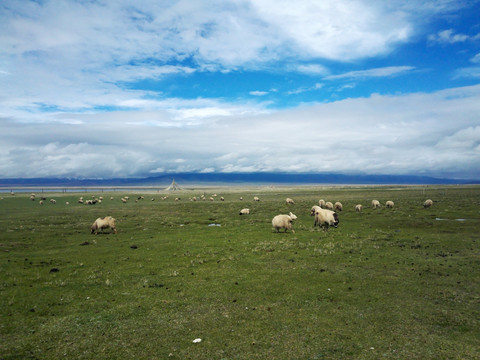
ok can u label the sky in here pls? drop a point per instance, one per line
(119, 89)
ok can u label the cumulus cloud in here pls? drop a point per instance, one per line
(379, 134)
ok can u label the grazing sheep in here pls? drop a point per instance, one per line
(358, 207)
(289, 201)
(124, 200)
(32, 197)
(389, 204)
(427, 203)
(222, 198)
(338, 206)
(241, 198)
(245, 212)
(328, 205)
(41, 202)
(283, 222)
(314, 210)
(67, 203)
(256, 198)
(325, 218)
(100, 224)
(211, 198)
(375, 204)
(53, 201)
(321, 203)
(91, 202)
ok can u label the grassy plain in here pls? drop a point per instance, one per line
(399, 283)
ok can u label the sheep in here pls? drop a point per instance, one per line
(244, 212)
(325, 218)
(67, 203)
(427, 203)
(100, 224)
(375, 204)
(338, 206)
(283, 222)
(241, 198)
(123, 200)
(321, 203)
(41, 202)
(314, 210)
(358, 207)
(256, 198)
(389, 204)
(32, 197)
(328, 205)
(53, 201)
(289, 201)
(222, 198)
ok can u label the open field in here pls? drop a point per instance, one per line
(399, 283)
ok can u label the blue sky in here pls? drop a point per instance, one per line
(102, 89)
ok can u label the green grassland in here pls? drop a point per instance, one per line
(401, 283)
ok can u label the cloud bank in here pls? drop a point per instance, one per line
(434, 134)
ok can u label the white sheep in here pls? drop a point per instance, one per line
(289, 201)
(389, 204)
(245, 212)
(283, 222)
(123, 200)
(241, 198)
(358, 207)
(321, 203)
(375, 204)
(328, 205)
(338, 206)
(325, 218)
(427, 203)
(41, 202)
(256, 198)
(100, 224)
(53, 201)
(222, 198)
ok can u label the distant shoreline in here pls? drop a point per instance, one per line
(201, 187)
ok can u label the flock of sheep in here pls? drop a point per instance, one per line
(325, 213)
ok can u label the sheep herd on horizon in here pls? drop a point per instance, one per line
(325, 213)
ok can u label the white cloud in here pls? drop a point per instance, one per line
(317, 86)
(258, 93)
(475, 59)
(379, 134)
(447, 37)
(372, 73)
(313, 69)
(467, 73)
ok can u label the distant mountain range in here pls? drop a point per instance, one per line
(237, 179)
